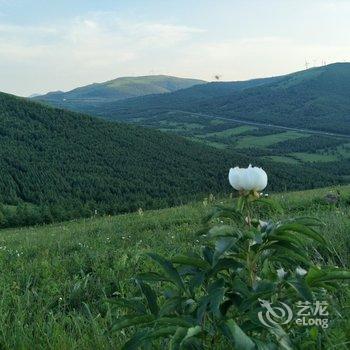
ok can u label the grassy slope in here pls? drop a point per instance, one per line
(118, 89)
(49, 155)
(89, 159)
(312, 99)
(264, 141)
(55, 280)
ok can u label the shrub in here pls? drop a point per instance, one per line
(225, 296)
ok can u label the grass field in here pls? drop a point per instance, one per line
(315, 157)
(284, 159)
(268, 140)
(231, 132)
(223, 134)
(218, 145)
(58, 282)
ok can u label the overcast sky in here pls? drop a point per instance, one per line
(59, 45)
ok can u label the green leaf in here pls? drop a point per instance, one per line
(216, 292)
(284, 254)
(132, 304)
(169, 270)
(160, 333)
(302, 226)
(202, 307)
(234, 333)
(224, 212)
(190, 261)
(265, 346)
(208, 254)
(135, 342)
(223, 231)
(171, 305)
(275, 206)
(240, 287)
(315, 276)
(182, 335)
(193, 331)
(241, 202)
(307, 221)
(294, 239)
(282, 337)
(152, 277)
(302, 288)
(175, 342)
(264, 286)
(301, 229)
(151, 297)
(128, 321)
(145, 337)
(221, 246)
(196, 281)
(226, 264)
(176, 321)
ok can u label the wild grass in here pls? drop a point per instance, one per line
(284, 159)
(231, 132)
(316, 157)
(58, 282)
(268, 140)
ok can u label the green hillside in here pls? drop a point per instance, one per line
(60, 283)
(76, 164)
(117, 89)
(313, 103)
(301, 118)
(49, 155)
(316, 99)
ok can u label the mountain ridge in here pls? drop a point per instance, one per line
(49, 155)
(119, 88)
(315, 97)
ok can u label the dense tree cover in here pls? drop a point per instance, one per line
(25, 214)
(307, 144)
(314, 99)
(70, 165)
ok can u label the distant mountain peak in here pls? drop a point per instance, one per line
(121, 88)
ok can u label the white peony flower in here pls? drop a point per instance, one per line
(300, 271)
(281, 273)
(248, 179)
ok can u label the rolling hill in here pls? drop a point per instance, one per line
(315, 99)
(68, 277)
(117, 89)
(50, 157)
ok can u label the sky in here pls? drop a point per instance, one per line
(59, 45)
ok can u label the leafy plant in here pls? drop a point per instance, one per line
(212, 299)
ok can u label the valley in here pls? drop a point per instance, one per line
(300, 118)
(59, 165)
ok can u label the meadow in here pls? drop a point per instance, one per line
(59, 282)
(282, 146)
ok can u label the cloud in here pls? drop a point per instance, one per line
(101, 46)
(247, 58)
(89, 48)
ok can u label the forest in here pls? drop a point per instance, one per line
(315, 99)
(58, 165)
